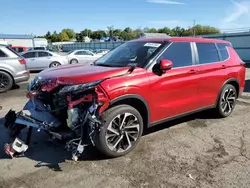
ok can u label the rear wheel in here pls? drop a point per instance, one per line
(73, 61)
(121, 131)
(227, 101)
(6, 82)
(54, 64)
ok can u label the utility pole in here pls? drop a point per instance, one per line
(194, 28)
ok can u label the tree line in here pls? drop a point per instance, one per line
(127, 33)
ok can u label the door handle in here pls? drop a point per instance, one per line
(223, 66)
(192, 71)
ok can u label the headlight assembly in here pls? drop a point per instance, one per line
(79, 87)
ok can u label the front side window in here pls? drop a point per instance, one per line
(82, 53)
(223, 51)
(179, 53)
(43, 54)
(207, 53)
(29, 55)
(134, 53)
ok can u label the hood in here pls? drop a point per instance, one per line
(78, 74)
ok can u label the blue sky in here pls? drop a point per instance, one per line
(37, 17)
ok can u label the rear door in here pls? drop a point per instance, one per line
(43, 59)
(30, 60)
(212, 73)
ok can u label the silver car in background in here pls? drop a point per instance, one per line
(42, 59)
(13, 68)
(82, 56)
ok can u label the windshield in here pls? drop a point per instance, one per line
(130, 54)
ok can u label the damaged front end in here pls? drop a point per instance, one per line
(69, 113)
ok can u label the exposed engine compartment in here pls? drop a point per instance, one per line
(69, 113)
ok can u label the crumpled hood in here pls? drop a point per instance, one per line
(78, 74)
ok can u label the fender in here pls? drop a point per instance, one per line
(7, 71)
(134, 96)
(226, 82)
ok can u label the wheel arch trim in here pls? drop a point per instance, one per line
(134, 96)
(226, 82)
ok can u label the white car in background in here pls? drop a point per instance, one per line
(101, 51)
(42, 59)
(82, 56)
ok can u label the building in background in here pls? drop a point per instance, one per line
(18, 40)
(40, 42)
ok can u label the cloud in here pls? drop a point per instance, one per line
(237, 15)
(239, 11)
(170, 2)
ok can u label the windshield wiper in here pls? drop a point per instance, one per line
(104, 65)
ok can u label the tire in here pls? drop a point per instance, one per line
(54, 64)
(6, 82)
(108, 145)
(227, 101)
(73, 61)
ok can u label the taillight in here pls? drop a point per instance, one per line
(22, 61)
(243, 63)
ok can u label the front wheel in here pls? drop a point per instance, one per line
(121, 131)
(227, 101)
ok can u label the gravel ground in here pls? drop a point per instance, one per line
(195, 151)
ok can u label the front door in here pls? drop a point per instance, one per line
(83, 56)
(175, 92)
(43, 59)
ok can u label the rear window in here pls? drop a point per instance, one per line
(223, 51)
(207, 53)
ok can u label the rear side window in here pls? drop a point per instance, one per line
(223, 51)
(30, 55)
(207, 53)
(179, 53)
(2, 54)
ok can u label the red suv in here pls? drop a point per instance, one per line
(141, 83)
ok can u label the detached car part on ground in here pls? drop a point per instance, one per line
(109, 103)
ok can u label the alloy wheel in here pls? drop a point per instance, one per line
(55, 64)
(4, 81)
(74, 61)
(228, 101)
(122, 132)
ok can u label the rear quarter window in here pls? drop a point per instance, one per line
(222, 48)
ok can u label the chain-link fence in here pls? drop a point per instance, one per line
(90, 46)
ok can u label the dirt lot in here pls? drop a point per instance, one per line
(196, 151)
